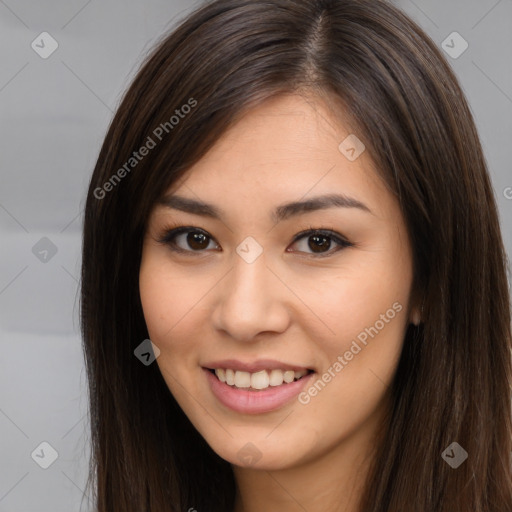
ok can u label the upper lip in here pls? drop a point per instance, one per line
(254, 366)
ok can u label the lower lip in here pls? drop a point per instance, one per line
(255, 402)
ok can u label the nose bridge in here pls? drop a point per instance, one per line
(249, 279)
(249, 302)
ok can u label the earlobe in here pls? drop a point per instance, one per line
(416, 316)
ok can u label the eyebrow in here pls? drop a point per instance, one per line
(282, 212)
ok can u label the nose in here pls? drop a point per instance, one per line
(250, 301)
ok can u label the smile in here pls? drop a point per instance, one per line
(256, 393)
(258, 380)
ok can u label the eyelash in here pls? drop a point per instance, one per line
(170, 232)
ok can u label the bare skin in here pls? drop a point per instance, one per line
(301, 302)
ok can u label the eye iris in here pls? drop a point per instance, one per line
(197, 240)
(319, 242)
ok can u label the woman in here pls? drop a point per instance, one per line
(292, 204)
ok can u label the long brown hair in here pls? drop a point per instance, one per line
(370, 62)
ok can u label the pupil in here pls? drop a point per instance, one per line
(197, 240)
(319, 242)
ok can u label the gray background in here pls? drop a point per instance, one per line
(54, 114)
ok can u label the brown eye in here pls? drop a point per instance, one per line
(187, 239)
(320, 242)
(197, 241)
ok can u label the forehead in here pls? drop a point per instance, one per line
(285, 149)
(285, 128)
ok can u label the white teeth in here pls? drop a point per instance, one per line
(276, 377)
(288, 376)
(242, 379)
(221, 374)
(230, 377)
(258, 380)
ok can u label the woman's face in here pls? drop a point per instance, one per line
(276, 274)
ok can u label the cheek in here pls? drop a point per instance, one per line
(158, 302)
(166, 299)
(174, 310)
(359, 363)
(365, 309)
(163, 307)
(369, 296)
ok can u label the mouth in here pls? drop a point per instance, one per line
(258, 381)
(256, 392)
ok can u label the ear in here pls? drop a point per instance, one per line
(415, 317)
(417, 300)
